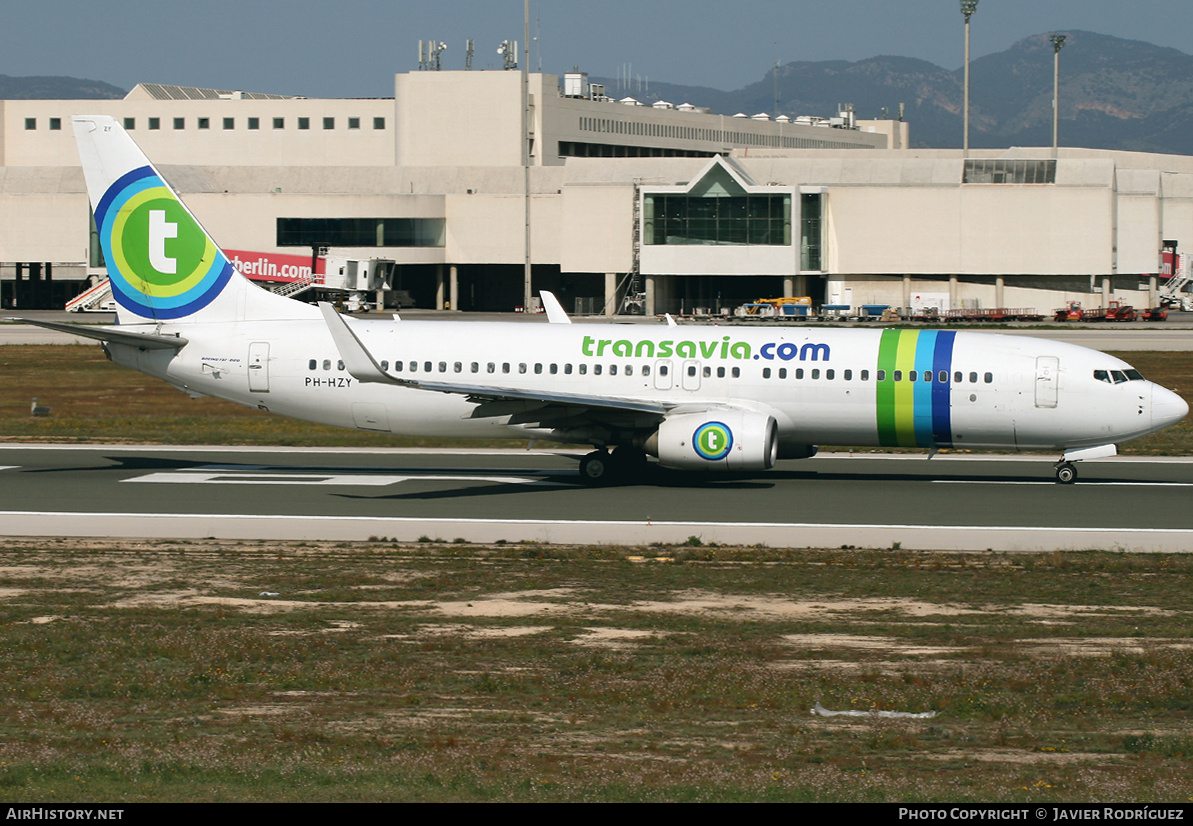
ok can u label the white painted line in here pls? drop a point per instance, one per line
(310, 479)
(1079, 483)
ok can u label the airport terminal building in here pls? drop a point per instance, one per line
(686, 209)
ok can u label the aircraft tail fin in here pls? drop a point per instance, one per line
(162, 265)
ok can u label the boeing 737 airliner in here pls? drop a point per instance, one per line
(703, 398)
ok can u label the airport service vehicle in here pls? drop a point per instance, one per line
(701, 398)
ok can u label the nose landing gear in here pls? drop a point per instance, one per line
(1066, 473)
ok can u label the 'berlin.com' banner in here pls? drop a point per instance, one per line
(275, 266)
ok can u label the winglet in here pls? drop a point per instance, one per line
(555, 312)
(357, 359)
(670, 320)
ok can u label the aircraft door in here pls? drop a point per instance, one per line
(662, 375)
(691, 375)
(1047, 374)
(259, 367)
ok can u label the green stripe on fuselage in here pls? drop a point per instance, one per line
(888, 348)
(896, 399)
(905, 390)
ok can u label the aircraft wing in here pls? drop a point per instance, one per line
(361, 365)
(115, 335)
(488, 393)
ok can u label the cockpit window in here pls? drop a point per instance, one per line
(1118, 376)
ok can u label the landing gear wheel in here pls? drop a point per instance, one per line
(1066, 473)
(596, 469)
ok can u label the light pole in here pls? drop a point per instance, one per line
(968, 7)
(1058, 40)
(527, 285)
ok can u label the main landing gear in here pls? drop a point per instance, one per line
(604, 468)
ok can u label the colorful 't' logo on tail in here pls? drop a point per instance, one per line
(161, 264)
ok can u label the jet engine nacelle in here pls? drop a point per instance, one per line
(716, 440)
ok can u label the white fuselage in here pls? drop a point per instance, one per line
(822, 386)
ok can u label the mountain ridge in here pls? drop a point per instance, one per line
(1114, 94)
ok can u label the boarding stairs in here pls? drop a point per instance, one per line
(91, 299)
(289, 289)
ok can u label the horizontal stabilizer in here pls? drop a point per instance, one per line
(115, 335)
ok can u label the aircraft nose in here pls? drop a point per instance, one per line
(1167, 407)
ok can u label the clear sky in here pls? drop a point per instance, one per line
(352, 48)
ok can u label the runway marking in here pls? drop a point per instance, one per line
(241, 477)
(1053, 483)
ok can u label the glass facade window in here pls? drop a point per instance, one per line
(254, 123)
(55, 124)
(279, 123)
(378, 123)
(130, 123)
(155, 123)
(763, 220)
(1005, 171)
(809, 232)
(304, 123)
(361, 232)
(179, 123)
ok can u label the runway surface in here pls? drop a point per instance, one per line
(877, 501)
